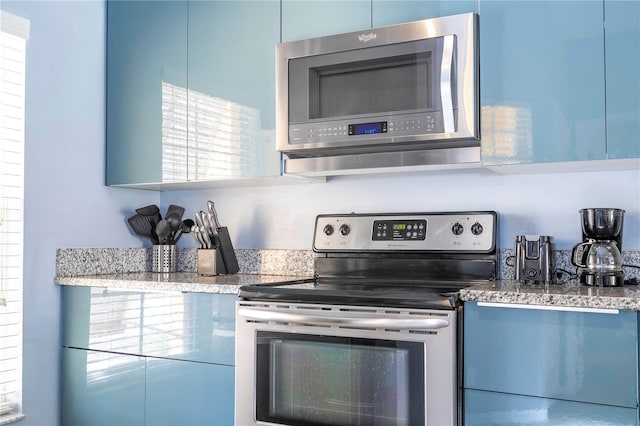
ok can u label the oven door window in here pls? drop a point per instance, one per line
(327, 380)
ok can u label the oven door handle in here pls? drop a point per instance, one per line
(329, 320)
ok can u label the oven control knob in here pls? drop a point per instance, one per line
(328, 230)
(457, 229)
(344, 229)
(476, 229)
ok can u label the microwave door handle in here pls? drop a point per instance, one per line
(393, 323)
(446, 87)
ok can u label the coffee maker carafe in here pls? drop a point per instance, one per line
(599, 255)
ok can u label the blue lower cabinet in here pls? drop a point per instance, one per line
(492, 409)
(102, 389)
(187, 326)
(578, 356)
(185, 393)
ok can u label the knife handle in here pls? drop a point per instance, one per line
(214, 215)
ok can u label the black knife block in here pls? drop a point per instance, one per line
(226, 249)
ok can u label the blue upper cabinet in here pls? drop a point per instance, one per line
(191, 91)
(231, 96)
(146, 55)
(308, 19)
(542, 81)
(390, 12)
(622, 38)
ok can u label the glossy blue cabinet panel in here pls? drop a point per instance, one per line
(188, 326)
(497, 409)
(587, 357)
(622, 37)
(231, 56)
(146, 62)
(308, 19)
(389, 12)
(184, 393)
(542, 81)
(102, 389)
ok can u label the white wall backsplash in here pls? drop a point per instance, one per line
(283, 217)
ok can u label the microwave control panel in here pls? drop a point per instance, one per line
(367, 129)
(429, 232)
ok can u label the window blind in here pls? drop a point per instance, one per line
(14, 32)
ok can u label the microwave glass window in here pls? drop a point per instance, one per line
(399, 83)
(340, 381)
(395, 78)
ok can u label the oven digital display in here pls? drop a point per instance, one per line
(399, 230)
(367, 128)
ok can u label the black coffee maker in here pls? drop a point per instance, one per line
(599, 255)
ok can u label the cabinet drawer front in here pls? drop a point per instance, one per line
(187, 326)
(579, 356)
(102, 388)
(188, 393)
(493, 409)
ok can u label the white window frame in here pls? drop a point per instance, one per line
(14, 33)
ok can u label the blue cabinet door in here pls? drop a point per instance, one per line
(185, 393)
(497, 409)
(146, 64)
(308, 19)
(187, 326)
(389, 12)
(102, 389)
(578, 356)
(622, 39)
(231, 58)
(542, 80)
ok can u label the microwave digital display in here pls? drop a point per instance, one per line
(367, 128)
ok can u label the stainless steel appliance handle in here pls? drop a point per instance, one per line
(446, 83)
(393, 323)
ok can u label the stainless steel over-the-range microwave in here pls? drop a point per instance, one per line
(398, 96)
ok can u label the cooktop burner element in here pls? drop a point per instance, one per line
(405, 260)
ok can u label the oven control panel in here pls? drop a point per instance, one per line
(456, 231)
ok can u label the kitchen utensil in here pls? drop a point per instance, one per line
(175, 223)
(150, 210)
(163, 230)
(214, 215)
(196, 236)
(173, 209)
(202, 230)
(141, 226)
(185, 228)
(534, 259)
(600, 253)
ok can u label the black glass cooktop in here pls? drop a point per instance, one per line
(433, 295)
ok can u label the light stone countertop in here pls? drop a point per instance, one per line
(177, 281)
(571, 294)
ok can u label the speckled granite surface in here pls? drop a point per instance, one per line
(128, 268)
(572, 294)
(569, 294)
(176, 281)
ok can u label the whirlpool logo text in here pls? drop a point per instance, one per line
(367, 37)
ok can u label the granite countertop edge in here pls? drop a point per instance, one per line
(569, 295)
(189, 282)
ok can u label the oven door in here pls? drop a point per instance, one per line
(344, 365)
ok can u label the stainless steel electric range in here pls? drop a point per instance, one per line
(375, 339)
